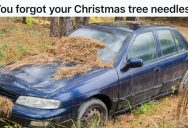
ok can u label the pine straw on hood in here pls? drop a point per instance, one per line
(5, 106)
(80, 50)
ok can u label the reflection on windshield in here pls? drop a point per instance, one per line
(113, 42)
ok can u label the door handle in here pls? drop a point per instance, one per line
(158, 69)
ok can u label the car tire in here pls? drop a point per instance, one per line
(183, 82)
(89, 110)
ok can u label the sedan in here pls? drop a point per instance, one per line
(149, 60)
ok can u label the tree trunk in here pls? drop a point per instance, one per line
(137, 19)
(132, 19)
(119, 18)
(24, 20)
(86, 20)
(81, 21)
(66, 25)
(54, 27)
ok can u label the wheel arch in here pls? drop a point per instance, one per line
(104, 98)
(180, 88)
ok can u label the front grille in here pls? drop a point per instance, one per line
(12, 96)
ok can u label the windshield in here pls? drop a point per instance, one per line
(113, 41)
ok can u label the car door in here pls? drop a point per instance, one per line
(181, 58)
(173, 57)
(142, 83)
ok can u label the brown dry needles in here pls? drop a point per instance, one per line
(80, 50)
(5, 106)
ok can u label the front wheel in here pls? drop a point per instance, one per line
(92, 113)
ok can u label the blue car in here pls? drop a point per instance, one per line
(149, 60)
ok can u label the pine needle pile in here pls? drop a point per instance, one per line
(5, 106)
(79, 50)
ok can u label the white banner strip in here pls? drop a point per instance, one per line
(117, 8)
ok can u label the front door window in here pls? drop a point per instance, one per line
(143, 47)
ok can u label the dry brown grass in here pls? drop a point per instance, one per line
(5, 106)
(163, 114)
(18, 40)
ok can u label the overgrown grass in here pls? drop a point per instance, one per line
(155, 114)
(6, 123)
(18, 40)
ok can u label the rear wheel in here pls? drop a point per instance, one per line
(92, 113)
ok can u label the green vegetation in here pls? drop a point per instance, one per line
(29, 20)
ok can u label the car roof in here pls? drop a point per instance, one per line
(127, 25)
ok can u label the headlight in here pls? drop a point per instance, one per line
(36, 102)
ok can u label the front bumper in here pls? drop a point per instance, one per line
(23, 115)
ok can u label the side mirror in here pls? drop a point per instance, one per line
(133, 63)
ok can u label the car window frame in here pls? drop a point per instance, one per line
(179, 40)
(126, 57)
(161, 57)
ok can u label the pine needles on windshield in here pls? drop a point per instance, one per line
(79, 50)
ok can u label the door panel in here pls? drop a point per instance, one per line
(175, 67)
(138, 84)
(167, 86)
(145, 84)
(173, 61)
(147, 81)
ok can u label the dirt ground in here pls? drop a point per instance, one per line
(184, 31)
(155, 114)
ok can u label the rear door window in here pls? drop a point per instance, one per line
(143, 47)
(178, 42)
(167, 42)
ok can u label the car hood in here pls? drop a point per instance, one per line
(37, 80)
